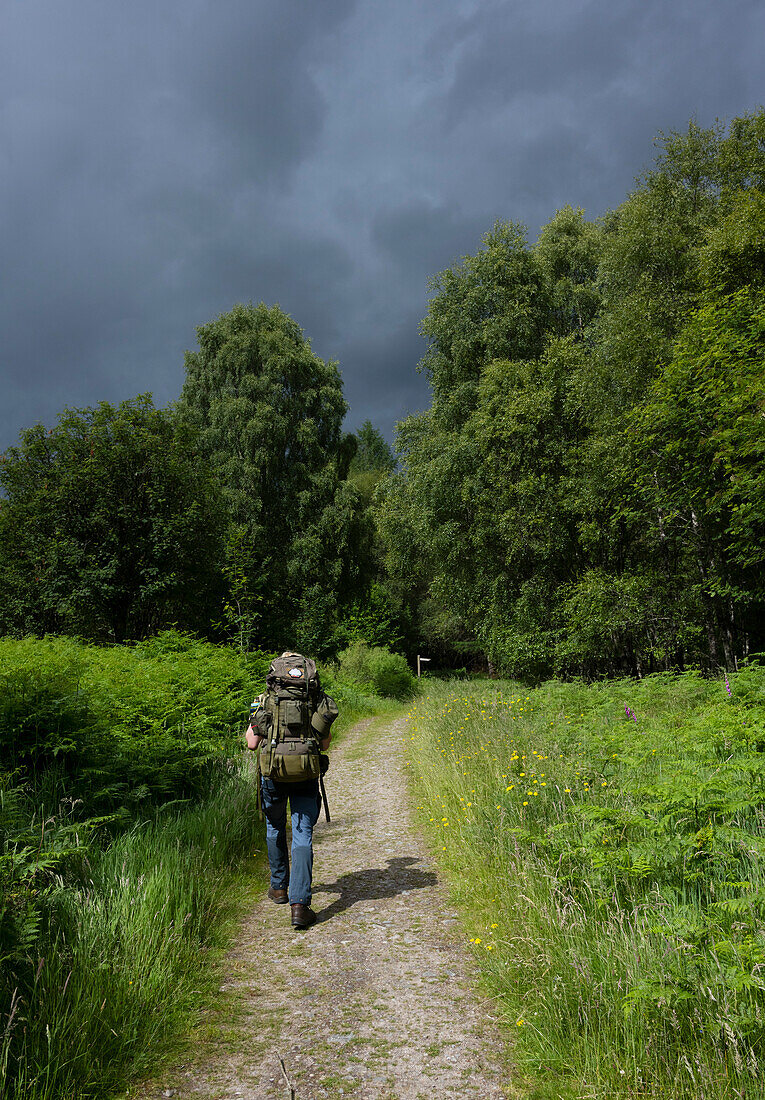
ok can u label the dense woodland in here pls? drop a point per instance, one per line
(585, 494)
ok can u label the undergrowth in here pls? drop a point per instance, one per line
(129, 839)
(606, 845)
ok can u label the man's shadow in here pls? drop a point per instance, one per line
(374, 883)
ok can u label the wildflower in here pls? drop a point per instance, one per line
(520, 1021)
(727, 683)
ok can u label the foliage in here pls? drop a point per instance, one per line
(373, 453)
(701, 441)
(584, 496)
(113, 960)
(114, 778)
(127, 827)
(627, 818)
(489, 306)
(372, 462)
(244, 588)
(378, 670)
(112, 728)
(269, 413)
(378, 619)
(110, 528)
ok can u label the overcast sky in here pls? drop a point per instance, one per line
(161, 162)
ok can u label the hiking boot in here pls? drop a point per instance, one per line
(277, 896)
(302, 915)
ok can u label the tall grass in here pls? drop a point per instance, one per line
(128, 838)
(122, 961)
(609, 865)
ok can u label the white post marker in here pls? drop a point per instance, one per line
(423, 660)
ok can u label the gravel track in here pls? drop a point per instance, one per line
(376, 1001)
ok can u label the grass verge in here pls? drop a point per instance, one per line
(130, 949)
(605, 845)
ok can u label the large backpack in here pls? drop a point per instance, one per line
(292, 716)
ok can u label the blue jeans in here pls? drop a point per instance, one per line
(305, 803)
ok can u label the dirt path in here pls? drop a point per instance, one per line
(376, 1001)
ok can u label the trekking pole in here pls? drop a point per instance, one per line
(261, 815)
(290, 1086)
(324, 799)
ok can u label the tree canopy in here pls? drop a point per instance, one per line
(270, 413)
(110, 527)
(585, 494)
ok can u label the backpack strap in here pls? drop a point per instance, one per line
(274, 735)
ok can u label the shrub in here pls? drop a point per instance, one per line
(115, 727)
(378, 669)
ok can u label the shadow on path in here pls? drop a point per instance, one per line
(372, 883)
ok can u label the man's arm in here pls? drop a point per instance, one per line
(323, 717)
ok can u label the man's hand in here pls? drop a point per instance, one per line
(325, 742)
(253, 738)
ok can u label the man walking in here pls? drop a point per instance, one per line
(290, 726)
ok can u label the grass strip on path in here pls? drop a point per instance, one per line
(605, 843)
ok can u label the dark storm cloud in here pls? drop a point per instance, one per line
(161, 162)
(421, 235)
(138, 142)
(588, 85)
(247, 74)
(389, 388)
(509, 50)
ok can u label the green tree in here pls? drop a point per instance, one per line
(373, 453)
(700, 439)
(688, 236)
(567, 252)
(270, 415)
(372, 462)
(490, 306)
(473, 520)
(585, 493)
(110, 527)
